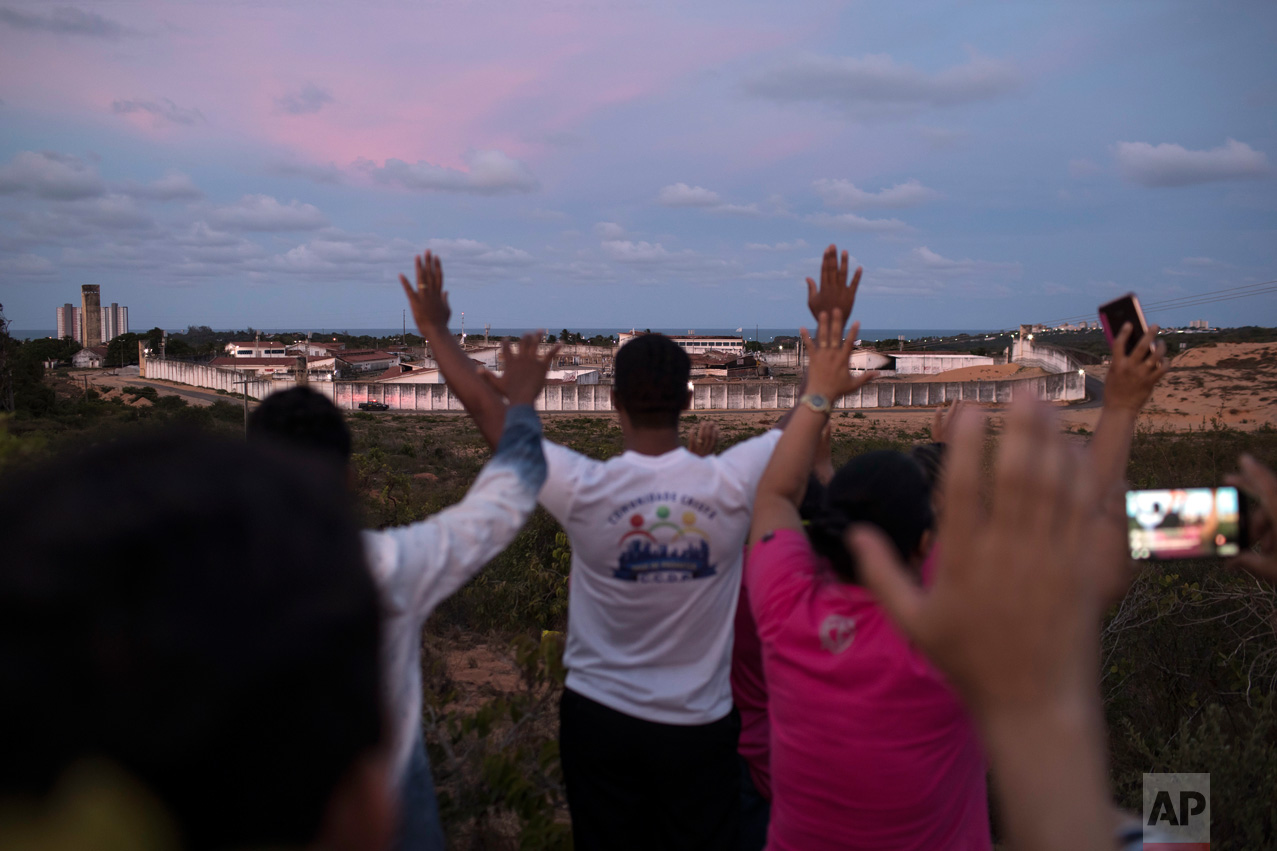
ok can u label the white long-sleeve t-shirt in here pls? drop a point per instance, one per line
(416, 567)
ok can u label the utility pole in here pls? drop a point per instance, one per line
(245, 388)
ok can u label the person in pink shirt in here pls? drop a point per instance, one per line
(870, 747)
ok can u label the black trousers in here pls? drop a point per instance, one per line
(635, 784)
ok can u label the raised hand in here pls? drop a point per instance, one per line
(524, 374)
(704, 439)
(827, 371)
(943, 420)
(1261, 484)
(834, 292)
(428, 300)
(1012, 617)
(1131, 378)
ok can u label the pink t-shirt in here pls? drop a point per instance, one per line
(749, 693)
(870, 747)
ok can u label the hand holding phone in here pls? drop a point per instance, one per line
(1122, 311)
(1180, 523)
(1261, 483)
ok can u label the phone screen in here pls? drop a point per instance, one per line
(1117, 313)
(1185, 523)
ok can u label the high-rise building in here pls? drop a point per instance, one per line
(115, 321)
(91, 314)
(68, 316)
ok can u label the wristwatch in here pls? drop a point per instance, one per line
(816, 402)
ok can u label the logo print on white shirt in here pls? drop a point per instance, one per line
(664, 550)
(837, 632)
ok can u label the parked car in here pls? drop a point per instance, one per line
(373, 406)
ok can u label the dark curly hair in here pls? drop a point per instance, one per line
(651, 381)
(885, 488)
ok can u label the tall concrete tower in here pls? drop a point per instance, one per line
(91, 314)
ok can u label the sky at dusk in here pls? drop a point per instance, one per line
(647, 164)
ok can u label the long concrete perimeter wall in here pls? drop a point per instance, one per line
(742, 396)
(1048, 357)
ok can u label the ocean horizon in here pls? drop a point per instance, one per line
(764, 335)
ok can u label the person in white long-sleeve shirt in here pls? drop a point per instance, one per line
(416, 567)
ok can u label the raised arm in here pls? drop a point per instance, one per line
(784, 482)
(525, 370)
(834, 292)
(1129, 385)
(431, 312)
(1012, 617)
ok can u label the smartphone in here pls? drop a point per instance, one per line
(1117, 313)
(1175, 523)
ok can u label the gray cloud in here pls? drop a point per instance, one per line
(65, 21)
(852, 222)
(682, 195)
(844, 193)
(173, 186)
(475, 253)
(490, 173)
(879, 83)
(265, 213)
(340, 255)
(925, 258)
(162, 110)
(654, 255)
(608, 230)
(26, 266)
(46, 174)
(309, 99)
(112, 212)
(779, 246)
(1173, 165)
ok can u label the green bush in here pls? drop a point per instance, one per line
(496, 767)
(1237, 746)
(149, 393)
(525, 588)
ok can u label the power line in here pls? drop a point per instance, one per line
(1166, 305)
(1192, 300)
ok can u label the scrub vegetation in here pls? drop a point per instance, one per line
(1190, 656)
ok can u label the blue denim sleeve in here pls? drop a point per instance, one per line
(520, 445)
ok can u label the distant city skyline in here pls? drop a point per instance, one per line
(652, 164)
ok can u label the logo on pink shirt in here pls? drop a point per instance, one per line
(837, 632)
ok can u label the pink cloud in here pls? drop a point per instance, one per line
(406, 82)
